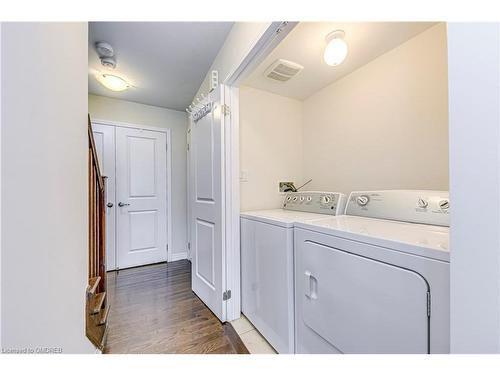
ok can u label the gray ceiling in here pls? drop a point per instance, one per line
(166, 62)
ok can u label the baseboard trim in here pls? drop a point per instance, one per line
(177, 256)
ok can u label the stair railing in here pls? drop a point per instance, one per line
(97, 306)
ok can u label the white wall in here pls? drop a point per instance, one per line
(239, 42)
(270, 146)
(44, 185)
(474, 76)
(103, 108)
(0, 185)
(385, 125)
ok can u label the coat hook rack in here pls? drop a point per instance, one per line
(197, 103)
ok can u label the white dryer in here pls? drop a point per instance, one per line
(375, 280)
(267, 262)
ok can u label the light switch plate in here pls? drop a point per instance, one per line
(243, 175)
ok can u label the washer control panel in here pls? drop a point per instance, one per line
(414, 206)
(320, 202)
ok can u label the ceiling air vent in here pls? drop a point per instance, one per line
(282, 70)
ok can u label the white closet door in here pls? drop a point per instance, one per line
(206, 169)
(104, 137)
(141, 196)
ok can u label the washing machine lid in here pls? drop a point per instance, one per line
(420, 239)
(281, 217)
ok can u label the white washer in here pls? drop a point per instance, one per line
(366, 284)
(267, 262)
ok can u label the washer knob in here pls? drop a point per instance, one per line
(362, 200)
(444, 204)
(422, 203)
(325, 199)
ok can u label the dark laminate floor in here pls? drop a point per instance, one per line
(153, 310)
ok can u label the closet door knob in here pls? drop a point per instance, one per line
(109, 205)
(121, 204)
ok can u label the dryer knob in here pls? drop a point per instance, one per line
(444, 204)
(362, 200)
(422, 203)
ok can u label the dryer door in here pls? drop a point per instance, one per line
(360, 305)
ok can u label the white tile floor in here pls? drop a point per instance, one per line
(253, 340)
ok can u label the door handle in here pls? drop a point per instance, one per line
(109, 205)
(121, 204)
(311, 285)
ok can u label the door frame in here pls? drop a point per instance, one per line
(168, 133)
(273, 35)
(110, 190)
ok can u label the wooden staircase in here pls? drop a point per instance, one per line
(97, 306)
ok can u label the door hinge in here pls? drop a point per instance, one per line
(189, 245)
(226, 295)
(226, 110)
(428, 304)
(188, 146)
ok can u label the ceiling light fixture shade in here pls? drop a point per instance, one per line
(113, 82)
(336, 48)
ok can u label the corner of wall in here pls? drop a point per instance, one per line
(1, 321)
(474, 101)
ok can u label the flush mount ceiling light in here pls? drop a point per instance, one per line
(112, 82)
(336, 48)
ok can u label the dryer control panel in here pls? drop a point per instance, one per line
(320, 202)
(414, 206)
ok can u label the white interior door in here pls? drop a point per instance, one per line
(207, 241)
(104, 137)
(141, 197)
